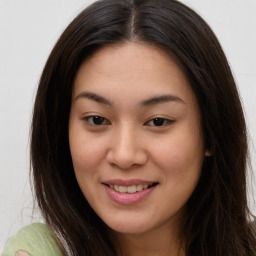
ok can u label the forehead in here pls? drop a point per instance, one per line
(136, 69)
(112, 57)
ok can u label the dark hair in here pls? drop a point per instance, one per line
(217, 221)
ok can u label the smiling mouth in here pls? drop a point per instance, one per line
(131, 189)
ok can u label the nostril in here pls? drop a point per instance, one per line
(126, 159)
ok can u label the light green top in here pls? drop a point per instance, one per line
(36, 239)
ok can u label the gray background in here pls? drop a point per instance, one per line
(28, 31)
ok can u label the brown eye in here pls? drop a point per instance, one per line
(158, 122)
(96, 120)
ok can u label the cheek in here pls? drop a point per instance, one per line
(179, 155)
(87, 155)
(86, 152)
(180, 163)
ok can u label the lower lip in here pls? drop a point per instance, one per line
(128, 198)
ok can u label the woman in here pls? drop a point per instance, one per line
(138, 142)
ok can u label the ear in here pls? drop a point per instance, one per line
(208, 152)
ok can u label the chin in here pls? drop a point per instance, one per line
(129, 227)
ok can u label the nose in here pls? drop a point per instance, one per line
(126, 149)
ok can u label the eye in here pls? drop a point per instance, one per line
(158, 122)
(96, 120)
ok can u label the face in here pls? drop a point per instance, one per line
(135, 137)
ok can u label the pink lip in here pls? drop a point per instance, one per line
(128, 182)
(127, 198)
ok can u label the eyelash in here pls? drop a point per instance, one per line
(161, 121)
(89, 119)
(103, 121)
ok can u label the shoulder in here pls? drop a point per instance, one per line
(36, 239)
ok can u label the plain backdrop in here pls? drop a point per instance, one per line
(28, 31)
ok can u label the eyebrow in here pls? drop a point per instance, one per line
(161, 99)
(149, 102)
(94, 97)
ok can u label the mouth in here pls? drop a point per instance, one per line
(129, 192)
(130, 189)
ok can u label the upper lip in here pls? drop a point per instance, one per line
(131, 182)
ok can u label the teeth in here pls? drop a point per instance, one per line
(139, 187)
(122, 189)
(129, 189)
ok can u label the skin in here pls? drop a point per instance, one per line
(128, 143)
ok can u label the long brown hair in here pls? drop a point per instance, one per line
(217, 221)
